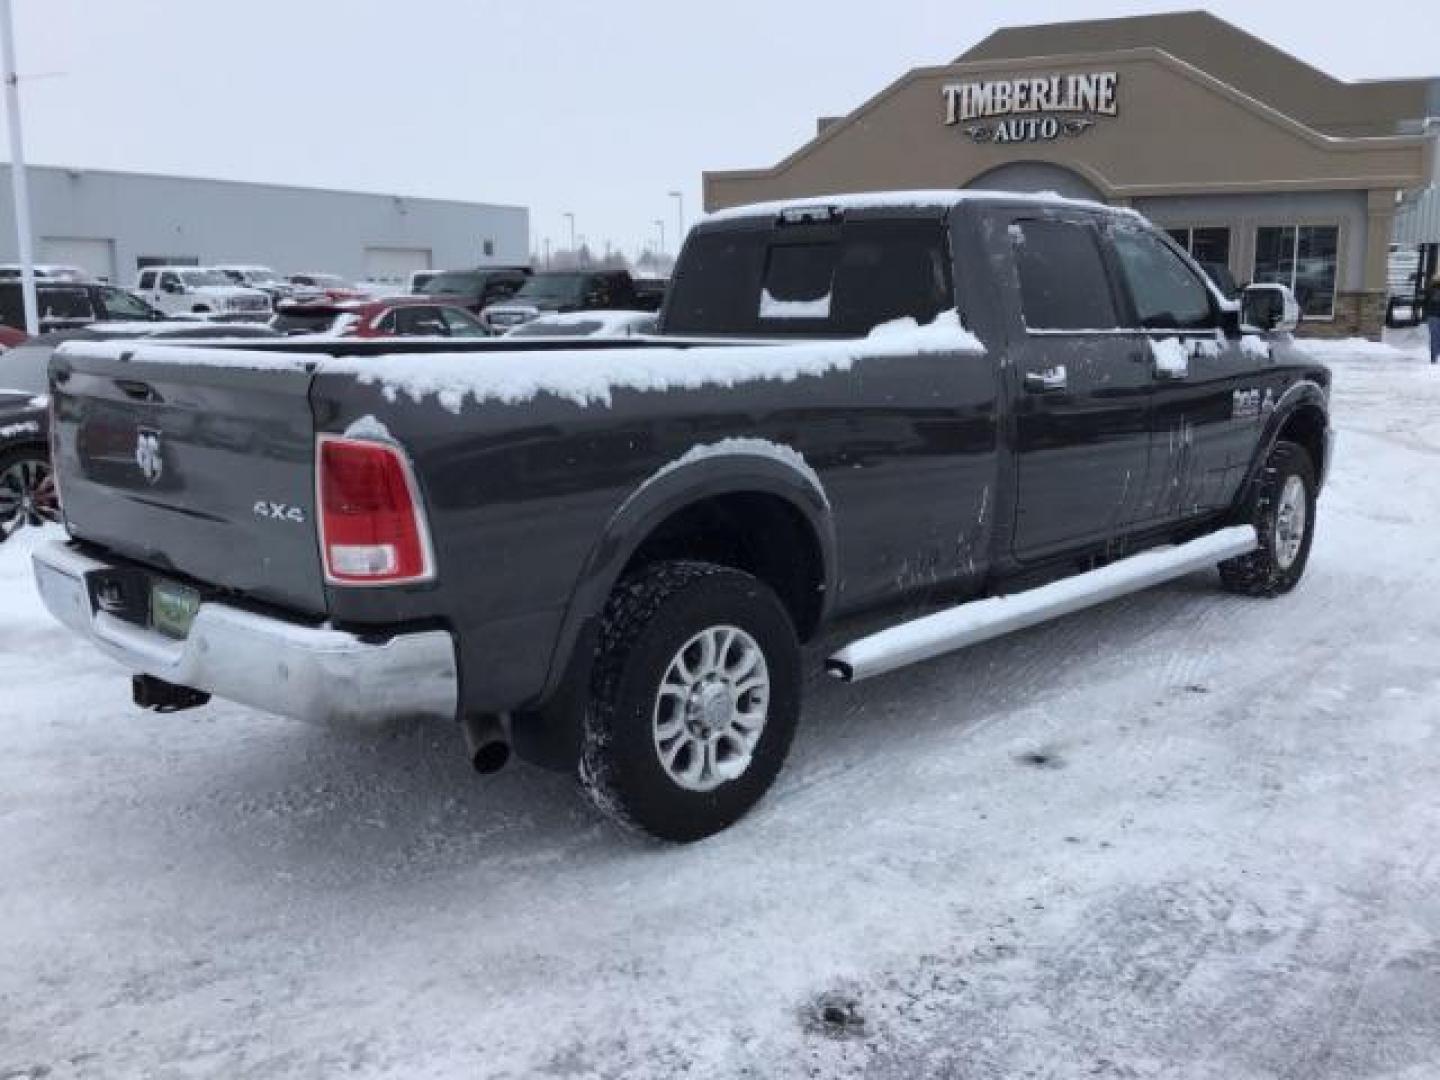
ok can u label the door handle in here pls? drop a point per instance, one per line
(1049, 381)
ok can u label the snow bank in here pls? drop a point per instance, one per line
(1325, 350)
(591, 377)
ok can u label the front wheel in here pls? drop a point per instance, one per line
(1282, 509)
(694, 698)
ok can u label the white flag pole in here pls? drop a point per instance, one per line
(17, 169)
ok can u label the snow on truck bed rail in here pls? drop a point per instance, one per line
(586, 377)
(155, 352)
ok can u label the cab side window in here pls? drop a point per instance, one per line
(1167, 294)
(147, 279)
(1063, 283)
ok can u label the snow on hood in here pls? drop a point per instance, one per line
(591, 377)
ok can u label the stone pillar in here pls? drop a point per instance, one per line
(1380, 229)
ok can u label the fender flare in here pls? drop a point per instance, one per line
(1305, 394)
(677, 485)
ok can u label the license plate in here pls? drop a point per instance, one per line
(172, 608)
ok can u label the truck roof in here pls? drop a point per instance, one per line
(938, 199)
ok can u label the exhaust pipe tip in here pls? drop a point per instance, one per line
(487, 742)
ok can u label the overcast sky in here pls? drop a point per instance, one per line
(596, 108)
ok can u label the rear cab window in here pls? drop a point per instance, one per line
(834, 277)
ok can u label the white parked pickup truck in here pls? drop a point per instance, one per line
(196, 290)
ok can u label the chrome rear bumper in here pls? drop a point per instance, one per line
(305, 672)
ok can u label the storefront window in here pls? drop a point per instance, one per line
(1304, 257)
(1206, 244)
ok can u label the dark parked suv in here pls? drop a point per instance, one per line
(564, 290)
(66, 304)
(475, 289)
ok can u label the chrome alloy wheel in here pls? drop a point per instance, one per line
(711, 707)
(1290, 517)
(27, 495)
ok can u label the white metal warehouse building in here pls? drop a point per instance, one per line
(114, 223)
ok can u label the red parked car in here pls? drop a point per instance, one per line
(334, 287)
(394, 316)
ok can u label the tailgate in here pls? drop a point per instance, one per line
(194, 460)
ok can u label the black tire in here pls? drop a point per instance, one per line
(20, 468)
(1266, 571)
(647, 622)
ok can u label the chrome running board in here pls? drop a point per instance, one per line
(981, 620)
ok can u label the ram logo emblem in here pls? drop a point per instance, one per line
(148, 455)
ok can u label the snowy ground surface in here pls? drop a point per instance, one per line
(1184, 835)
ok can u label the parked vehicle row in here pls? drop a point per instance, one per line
(501, 298)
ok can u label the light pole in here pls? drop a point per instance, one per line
(660, 224)
(547, 253)
(17, 170)
(582, 252)
(679, 197)
(570, 217)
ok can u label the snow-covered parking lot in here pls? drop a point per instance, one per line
(1183, 835)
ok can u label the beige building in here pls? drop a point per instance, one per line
(1252, 159)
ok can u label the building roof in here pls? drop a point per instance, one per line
(1238, 58)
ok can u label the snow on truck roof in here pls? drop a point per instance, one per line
(938, 199)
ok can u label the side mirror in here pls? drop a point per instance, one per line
(1269, 308)
(172, 287)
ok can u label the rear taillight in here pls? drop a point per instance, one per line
(372, 527)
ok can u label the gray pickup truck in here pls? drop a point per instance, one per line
(611, 556)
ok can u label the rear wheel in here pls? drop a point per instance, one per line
(27, 491)
(1282, 509)
(694, 699)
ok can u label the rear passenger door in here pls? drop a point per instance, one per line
(1080, 386)
(1203, 432)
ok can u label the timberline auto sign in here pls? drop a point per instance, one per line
(1031, 110)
